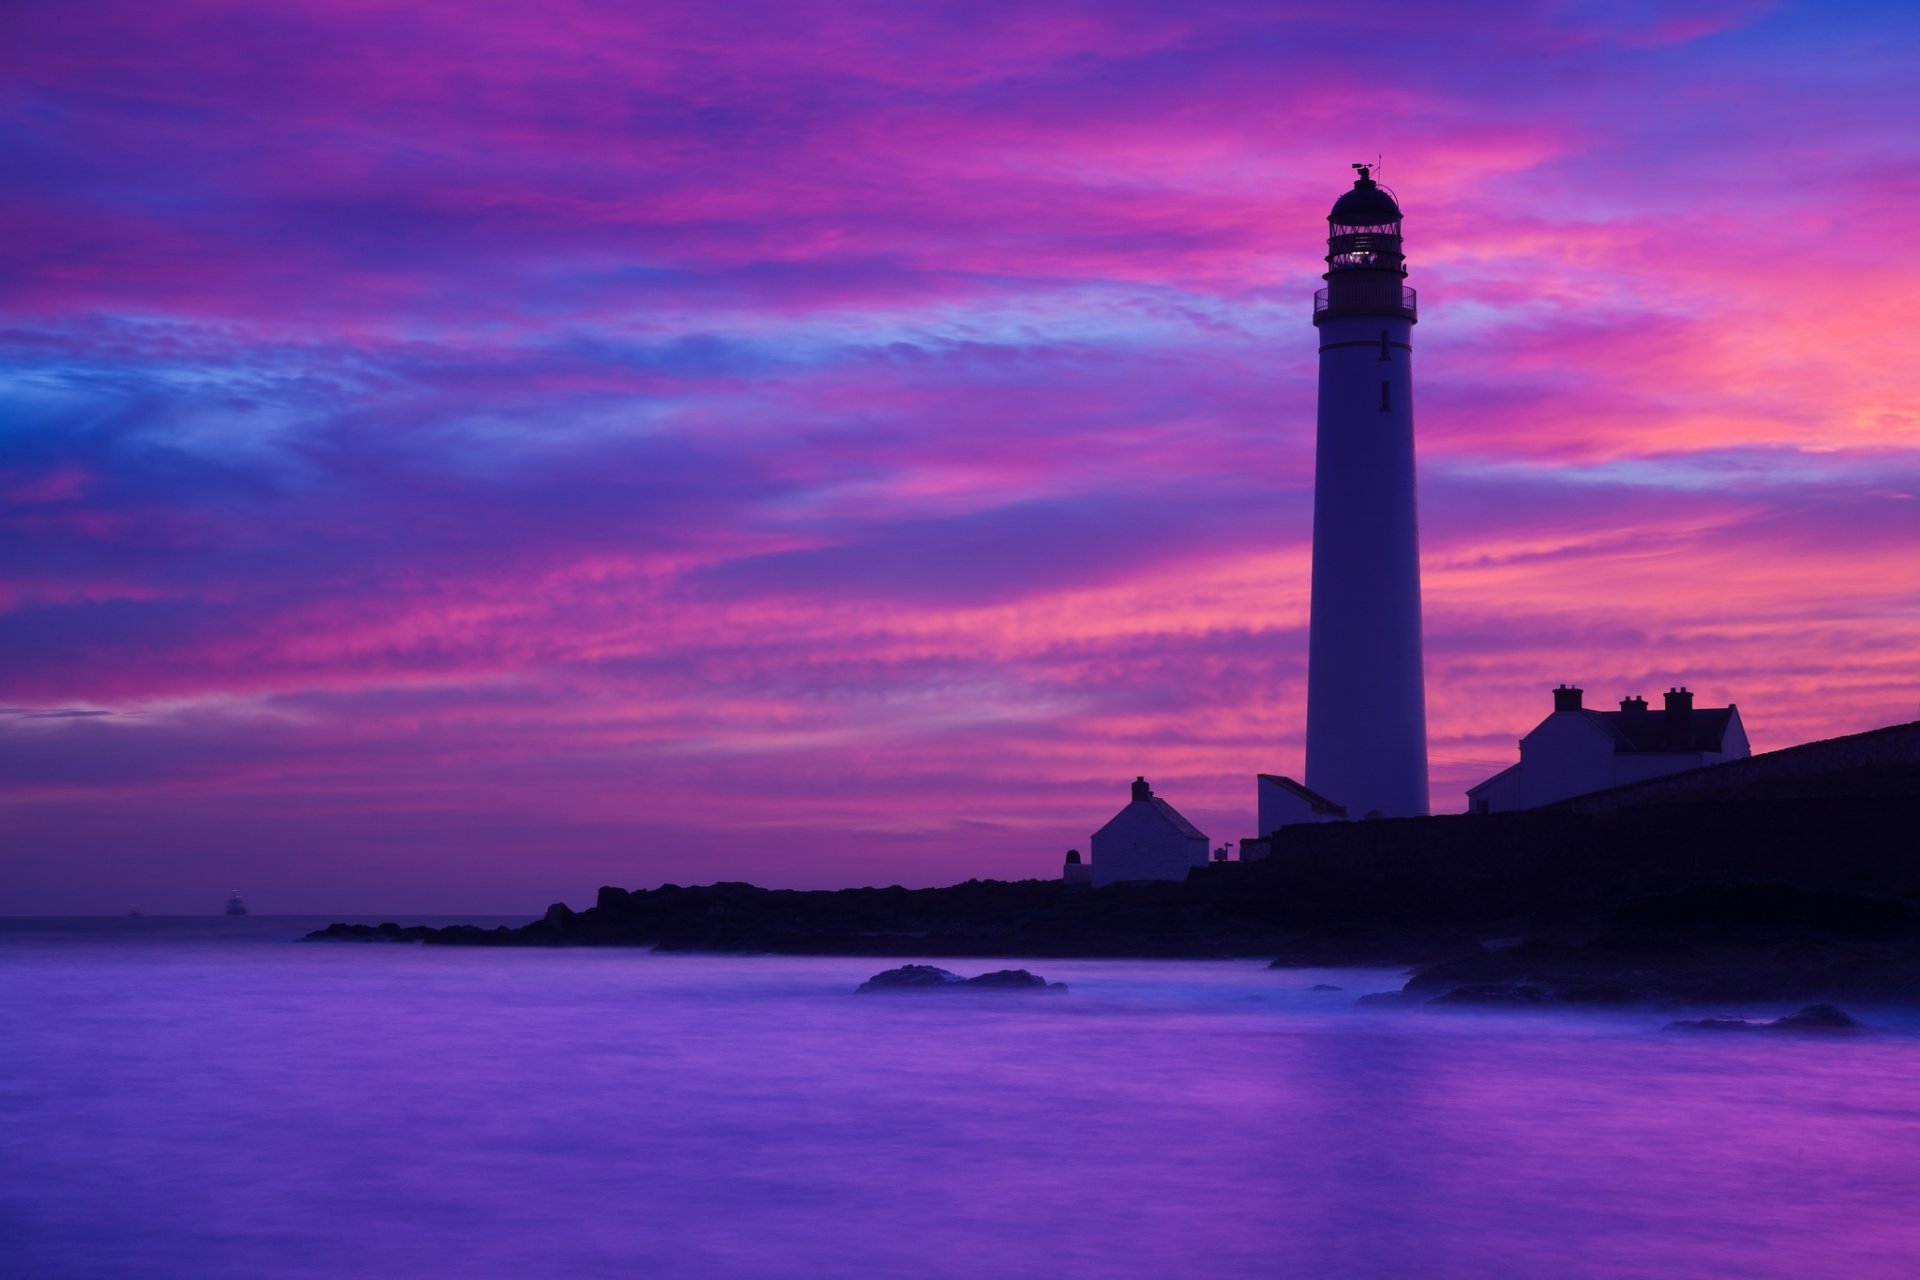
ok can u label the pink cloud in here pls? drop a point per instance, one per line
(621, 445)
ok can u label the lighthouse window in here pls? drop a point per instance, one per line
(1386, 397)
(1383, 345)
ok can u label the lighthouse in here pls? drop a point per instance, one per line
(1366, 693)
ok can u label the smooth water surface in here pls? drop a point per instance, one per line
(206, 1099)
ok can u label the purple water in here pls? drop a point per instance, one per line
(201, 1099)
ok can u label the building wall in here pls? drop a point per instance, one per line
(1501, 793)
(1734, 746)
(1567, 754)
(1140, 844)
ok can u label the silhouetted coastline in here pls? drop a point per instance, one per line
(1811, 896)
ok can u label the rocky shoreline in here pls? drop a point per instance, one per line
(1739, 942)
(1735, 943)
(1813, 897)
(1037, 918)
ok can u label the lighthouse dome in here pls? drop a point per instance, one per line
(1367, 205)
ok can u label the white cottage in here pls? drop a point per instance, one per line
(1147, 840)
(1576, 750)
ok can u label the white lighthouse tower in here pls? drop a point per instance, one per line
(1366, 693)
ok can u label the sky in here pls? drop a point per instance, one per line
(457, 455)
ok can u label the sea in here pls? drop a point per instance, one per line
(212, 1098)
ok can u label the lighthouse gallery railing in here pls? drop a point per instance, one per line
(1362, 297)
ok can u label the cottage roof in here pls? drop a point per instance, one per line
(1318, 802)
(1504, 773)
(1163, 811)
(1172, 815)
(1705, 729)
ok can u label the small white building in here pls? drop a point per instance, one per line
(1576, 750)
(1147, 840)
(1281, 802)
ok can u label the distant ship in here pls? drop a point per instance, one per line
(235, 907)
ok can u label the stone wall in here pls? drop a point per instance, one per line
(1490, 871)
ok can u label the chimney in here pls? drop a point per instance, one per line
(1141, 791)
(1679, 717)
(1635, 704)
(1566, 698)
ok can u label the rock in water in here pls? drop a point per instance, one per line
(385, 931)
(926, 977)
(1015, 979)
(1713, 1024)
(1820, 1018)
(1815, 1019)
(910, 977)
(1493, 993)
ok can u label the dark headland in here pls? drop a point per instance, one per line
(1809, 890)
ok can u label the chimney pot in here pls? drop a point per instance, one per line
(1141, 791)
(1567, 698)
(1679, 716)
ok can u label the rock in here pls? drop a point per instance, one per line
(910, 977)
(1822, 1019)
(1493, 993)
(1533, 964)
(1014, 979)
(926, 977)
(1755, 916)
(1323, 986)
(385, 931)
(1815, 1019)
